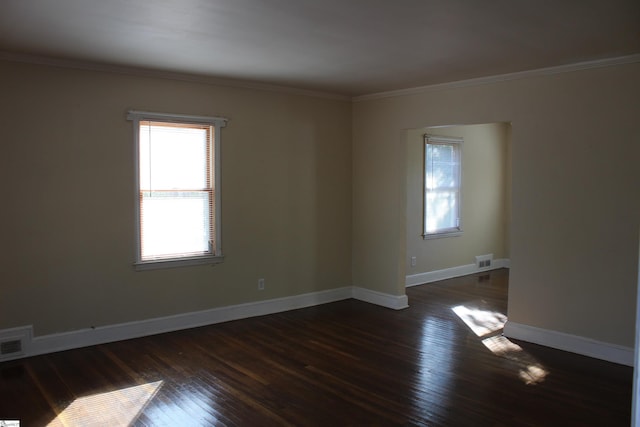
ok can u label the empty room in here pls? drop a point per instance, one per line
(235, 213)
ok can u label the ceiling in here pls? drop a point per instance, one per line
(348, 47)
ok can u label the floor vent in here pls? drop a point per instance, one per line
(14, 342)
(484, 261)
(10, 348)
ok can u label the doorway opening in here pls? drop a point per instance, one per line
(485, 205)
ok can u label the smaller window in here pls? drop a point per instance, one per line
(178, 192)
(442, 186)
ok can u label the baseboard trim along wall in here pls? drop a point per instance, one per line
(33, 346)
(450, 273)
(378, 298)
(572, 343)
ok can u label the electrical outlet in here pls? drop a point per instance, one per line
(261, 284)
(413, 261)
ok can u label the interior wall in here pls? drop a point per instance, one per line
(483, 201)
(67, 217)
(575, 204)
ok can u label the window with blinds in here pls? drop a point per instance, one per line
(177, 196)
(442, 186)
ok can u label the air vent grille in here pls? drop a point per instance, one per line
(484, 261)
(15, 342)
(10, 347)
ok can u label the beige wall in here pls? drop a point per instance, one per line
(575, 200)
(314, 196)
(484, 198)
(67, 217)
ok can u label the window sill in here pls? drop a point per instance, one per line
(177, 262)
(442, 235)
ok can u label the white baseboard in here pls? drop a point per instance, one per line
(572, 343)
(450, 273)
(379, 298)
(103, 334)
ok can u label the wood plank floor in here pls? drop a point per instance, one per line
(347, 363)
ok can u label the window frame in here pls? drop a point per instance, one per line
(456, 142)
(216, 124)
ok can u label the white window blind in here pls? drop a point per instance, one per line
(443, 180)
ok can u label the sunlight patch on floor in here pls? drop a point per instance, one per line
(113, 408)
(501, 346)
(481, 322)
(533, 374)
(530, 370)
(487, 324)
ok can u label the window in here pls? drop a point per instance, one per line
(177, 189)
(442, 182)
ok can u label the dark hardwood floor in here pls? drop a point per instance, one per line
(347, 363)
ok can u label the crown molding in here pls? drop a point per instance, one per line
(578, 66)
(245, 84)
(161, 74)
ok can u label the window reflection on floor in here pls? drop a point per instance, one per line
(530, 370)
(115, 408)
(481, 322)
(436, 371)
(488, 325)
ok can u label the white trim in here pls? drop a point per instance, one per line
(136, 115)
(123, 331)
(104, 334)
(161, 74)
(442, 234)
(177, 262)
(214, 123)
(457, 143)
(450, 273)
(395, 302)
(216, 164)
(246, 84)
(635, 409)
(440, 139)
(567, 68)
(572, 343)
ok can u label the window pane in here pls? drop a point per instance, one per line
(175, 223)
(442, 187)
(172, 158)
(177, 197)
(442, 210)
(442, 166)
